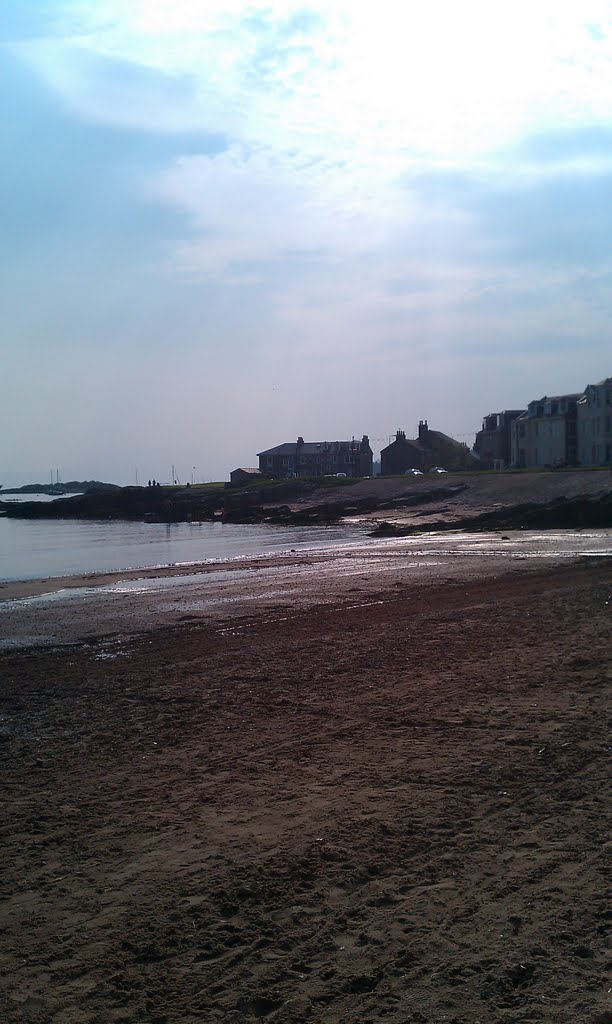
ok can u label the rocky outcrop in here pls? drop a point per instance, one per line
(453, 503)
(586, 511)
(139, 503)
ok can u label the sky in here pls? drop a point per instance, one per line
(228, 223)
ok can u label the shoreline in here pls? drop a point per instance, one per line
(389, 805)
(16, 589)
(11, 590)
(69, 610)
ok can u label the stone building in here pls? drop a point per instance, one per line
(430, 448)
(244, 475)
(546, 434)
(493, 444)
(317, 458)
(595, 424)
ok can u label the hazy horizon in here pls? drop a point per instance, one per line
(229, 224)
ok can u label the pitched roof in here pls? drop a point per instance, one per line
(556, 398)
(504, 412)
(281, 449)
(446, 439)
(405, 441)
(420, 446)
(309, 447)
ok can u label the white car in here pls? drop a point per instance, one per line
(412, 472)
(438, 469)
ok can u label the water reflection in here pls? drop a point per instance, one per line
(36, 548)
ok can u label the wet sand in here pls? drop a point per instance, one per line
(66, 610)
(375, 797)
(11, 590)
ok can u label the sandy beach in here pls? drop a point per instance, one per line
(381, 797)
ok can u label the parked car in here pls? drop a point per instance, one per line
(438, 469)
(413, 472)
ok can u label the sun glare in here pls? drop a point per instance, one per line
(449, 79)
(441, 79)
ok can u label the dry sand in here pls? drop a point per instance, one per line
(387, 807)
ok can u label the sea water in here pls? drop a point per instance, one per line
(35, 548)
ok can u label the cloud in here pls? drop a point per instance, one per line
(560, 216)
(253, 206)
(412, 152)
(390, 171)
(114, 90)
(352, 133)
(397, 81)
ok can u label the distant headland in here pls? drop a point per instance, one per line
(69, 487)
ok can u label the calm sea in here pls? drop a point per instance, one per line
(33, 548)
